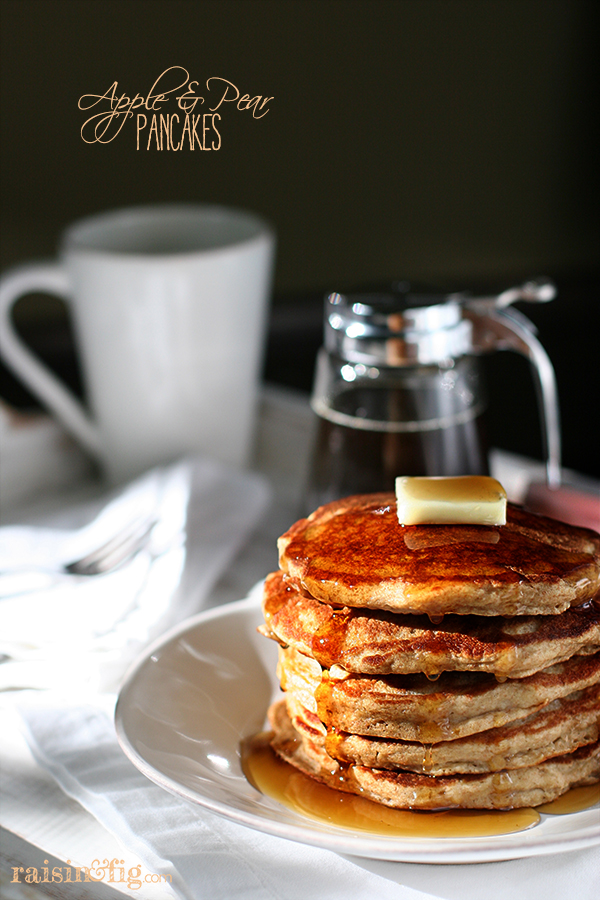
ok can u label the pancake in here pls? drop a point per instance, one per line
(353, 552)
(437, 666)
(382, 643)
(527, 786)
(558, 728)
(413, 708)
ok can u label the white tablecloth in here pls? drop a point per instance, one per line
(69, 729)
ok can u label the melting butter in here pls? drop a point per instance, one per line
(463, 500)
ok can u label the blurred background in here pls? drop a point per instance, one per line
(450, 141)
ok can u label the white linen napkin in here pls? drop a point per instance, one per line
(78, 632)
(207, 856)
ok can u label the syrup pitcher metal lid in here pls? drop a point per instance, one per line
(406, 327)
(398, 328)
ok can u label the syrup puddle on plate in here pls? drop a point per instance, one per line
(282, 782)
(575, 800)
(290, 787)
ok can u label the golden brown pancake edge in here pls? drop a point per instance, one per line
(353, 552)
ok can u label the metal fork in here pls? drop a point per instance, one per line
(118, 550)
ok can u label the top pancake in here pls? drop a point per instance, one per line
(353, 552)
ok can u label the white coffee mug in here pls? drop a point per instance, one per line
(168, 306)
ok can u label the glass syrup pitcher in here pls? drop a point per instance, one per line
(398, 388)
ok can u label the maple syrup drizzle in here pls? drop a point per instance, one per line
(328, 639)
(426, 537)
(573, 801)
(427, 757)
(333, 742)
(285, 784)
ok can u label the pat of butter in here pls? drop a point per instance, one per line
(468, 499)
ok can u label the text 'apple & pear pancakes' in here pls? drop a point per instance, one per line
(354, 553)
(506, 789)
(373, 642)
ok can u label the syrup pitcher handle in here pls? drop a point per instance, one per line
(495, 327)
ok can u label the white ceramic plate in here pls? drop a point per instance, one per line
(205, 686)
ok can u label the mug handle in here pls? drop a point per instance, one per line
(52, 279)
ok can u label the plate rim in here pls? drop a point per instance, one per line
(360, 844)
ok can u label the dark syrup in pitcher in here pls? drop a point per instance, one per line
(355, 459)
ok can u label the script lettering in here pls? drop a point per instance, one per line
(166, 130)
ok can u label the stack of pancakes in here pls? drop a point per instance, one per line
(436, 666)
